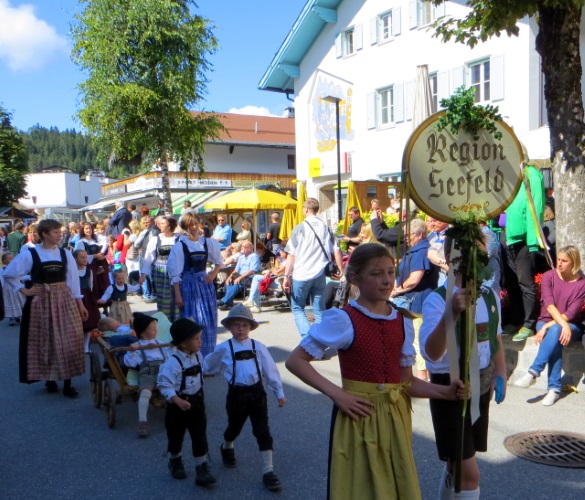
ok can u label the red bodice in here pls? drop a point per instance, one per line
(374, 355)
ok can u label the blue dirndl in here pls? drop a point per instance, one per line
(200, 306)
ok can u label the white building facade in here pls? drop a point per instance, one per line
(366, 54)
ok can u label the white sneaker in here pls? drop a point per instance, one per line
(150, 300)
(525, 381)
(551, 398)
(255, 309)
(248, 303)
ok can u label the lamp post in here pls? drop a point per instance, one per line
(336, 100)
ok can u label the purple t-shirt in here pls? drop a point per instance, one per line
(567, 296)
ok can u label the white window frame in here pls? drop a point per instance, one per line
(389, 107)
(348, 41)
(388, 17)
(424, 12)
(483, 84)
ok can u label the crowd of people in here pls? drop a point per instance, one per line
(394, 290)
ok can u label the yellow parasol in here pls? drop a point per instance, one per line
(251, 199)
(288, 220)
(301, 198)
(352, 201)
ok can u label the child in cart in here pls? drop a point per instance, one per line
(147, 363)
(118, 294)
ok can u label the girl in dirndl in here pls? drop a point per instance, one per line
(193, 286)
(96, 258)
(117, 296)
(371, 430)
(51, 332)
(155, 264)
(86, 278)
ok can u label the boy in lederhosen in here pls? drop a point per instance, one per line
(245, 363)
(180, 381)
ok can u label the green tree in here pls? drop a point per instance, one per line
(146, 64)
(557, 43)
(13, 162)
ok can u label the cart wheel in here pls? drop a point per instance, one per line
(110, 395)
(95, 379)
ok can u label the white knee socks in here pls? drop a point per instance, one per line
(143, 402)
(266, 461)
(467, 495)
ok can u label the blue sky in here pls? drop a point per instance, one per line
(38, 80)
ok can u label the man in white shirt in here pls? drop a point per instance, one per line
(305, 264)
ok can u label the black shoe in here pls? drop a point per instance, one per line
(70, 392)
(177, 468)
(225, 307)
(271, 481)
(203, 475)
(51, 386)
(219, 303)
(228, 456)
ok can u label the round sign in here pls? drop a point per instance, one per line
(448, 174)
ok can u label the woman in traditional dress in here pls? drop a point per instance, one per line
(155, 262)
(51, 332)
(193, 286)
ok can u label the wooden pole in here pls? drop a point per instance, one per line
(459, 439)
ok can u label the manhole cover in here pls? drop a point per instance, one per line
(561, 449)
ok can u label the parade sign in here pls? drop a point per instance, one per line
(447, 174)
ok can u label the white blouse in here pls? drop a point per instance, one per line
(22, 265)
(176, 261)
(336, 330)
(150, 254)
(80, 245)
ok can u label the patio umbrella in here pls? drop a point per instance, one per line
(301, 198)
(423, 102)
(288, 220)
(251, 199)
(352, 201)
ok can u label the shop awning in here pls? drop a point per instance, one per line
(196, 199)
(107, 204)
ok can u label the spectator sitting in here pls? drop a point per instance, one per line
(248, 264)
(245, 233)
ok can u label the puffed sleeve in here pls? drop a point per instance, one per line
(335, 330)
(20, 266)
(72, 278)
(149, 255)
(214, 251)
(176, 263)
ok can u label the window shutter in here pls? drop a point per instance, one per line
(371, 110)
(373, 31)
(497, 77)
(413, 14)
(396, 21)
(338, 45)
(409, 100)
(398, 103)
(358, 37)
(458, 77)
(442, 86)
(439, 10)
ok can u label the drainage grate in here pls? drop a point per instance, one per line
(561, 449)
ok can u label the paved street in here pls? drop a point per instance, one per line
(56, 448)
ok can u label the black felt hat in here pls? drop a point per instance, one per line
(183, 329)
(141, 322)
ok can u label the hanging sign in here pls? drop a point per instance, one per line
(447, 174)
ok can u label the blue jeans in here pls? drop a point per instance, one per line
(231, 291)
(147, 288)
(551, 352)
(301, 290)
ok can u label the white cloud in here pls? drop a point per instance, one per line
(252, 110)
(27, 42)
